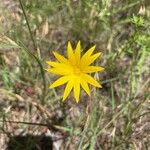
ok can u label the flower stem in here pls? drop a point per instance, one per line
(28, 25)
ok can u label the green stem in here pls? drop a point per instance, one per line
(41, 69)
(28, 25)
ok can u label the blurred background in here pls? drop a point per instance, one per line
(32, 116)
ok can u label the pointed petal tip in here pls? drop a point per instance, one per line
(93, 47)
(79, 42)
(64, 98)
(100, 86)
(99, 53)
(53, 52)
(89, 94)
(51, 87)
(69, 48)
(69, 43)
(77, 100)
(103, 69)
(78, 45)
(47, 61)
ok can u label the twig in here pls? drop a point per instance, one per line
(49, 126)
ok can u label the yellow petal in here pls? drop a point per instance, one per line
(51, 63)
(85, 86)
(60, 58)
(88, 53)
(68, 89)
(60, 81)
(60, 71)
(77, 90)
(90, 59)
(71, 56)
(91, 80)
(78, 52)
(54, 64)
(90, 69)
(59, 65)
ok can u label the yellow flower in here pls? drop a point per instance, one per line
(75, 70)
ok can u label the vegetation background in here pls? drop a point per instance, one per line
(30, 112)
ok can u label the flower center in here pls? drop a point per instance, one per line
(76, 71)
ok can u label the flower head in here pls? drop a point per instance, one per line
(75, 70)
